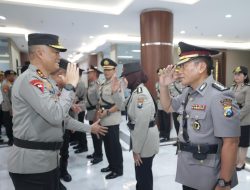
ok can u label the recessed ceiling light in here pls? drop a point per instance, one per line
(228, 16)
(91, 37)
(183, 32)
(125, 56)
(2, 18)
(219, 35)
(106, 26)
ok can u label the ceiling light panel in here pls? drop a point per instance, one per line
(190, 2)
(115, 7)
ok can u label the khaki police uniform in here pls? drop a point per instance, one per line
(141, 111)
(211, 114)
(112, 121)
(7, 109)
(242, 95)
(93, 97)
(38, 115)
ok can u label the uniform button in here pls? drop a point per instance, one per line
(187, 116)
(191, 99)
(196, 117)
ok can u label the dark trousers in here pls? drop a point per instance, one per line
(176, 122)
(1, 119)
(187, 188)
(164, 124)
(39, 181)
(113, 149)
(97, 143)
(144, 175)
(7, 122)
(81, 137)
(64, 152)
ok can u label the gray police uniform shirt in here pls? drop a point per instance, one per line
(92, 98)
(81, 92)
(207, 105)
(157, 88)
(141, 110)
(242, 96)
(6, 104)
(107, 95)
(38, 114)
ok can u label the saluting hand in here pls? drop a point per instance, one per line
(115, 84)
(166, 75)
(137, 159)
(72, 74)
(98, 129)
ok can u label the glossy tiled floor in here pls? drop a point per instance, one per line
(88, 177)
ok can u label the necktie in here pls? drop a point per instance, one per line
(184, 119)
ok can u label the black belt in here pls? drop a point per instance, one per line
(91, 108)
(107, 106)
(37, 145)
(132, 126)
(196, 148)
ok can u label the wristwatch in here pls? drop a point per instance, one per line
(69, 87)
(223, 183)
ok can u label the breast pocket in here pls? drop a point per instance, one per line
(198, 122)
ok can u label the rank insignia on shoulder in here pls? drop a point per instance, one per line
(140, 101)
(198, 107)
(39, 84)
(227, 105)
(219, 86)
(40, 74)
(203, 86)
(139, 90)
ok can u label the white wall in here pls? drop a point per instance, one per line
(14, 56)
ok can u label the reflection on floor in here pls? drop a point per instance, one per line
(88, 177)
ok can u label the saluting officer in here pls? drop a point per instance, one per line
(39, 116)
(93, 97)
(141, 109)
(110, 115)
(209, 133)
(241, 89)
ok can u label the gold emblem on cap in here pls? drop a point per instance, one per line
(179, 51)
(196, 125)
(237, 70)
(106, 62)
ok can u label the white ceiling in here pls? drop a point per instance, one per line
(202, 21)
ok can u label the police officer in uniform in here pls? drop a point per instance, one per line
(6, 104)
(241, 89)
(110, 115)
(1, 100)
(91, 105)
(209, 133)
(40, 115)
(141, 109)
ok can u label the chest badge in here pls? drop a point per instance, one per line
(198, 107)
(196, 125)
(227, 106)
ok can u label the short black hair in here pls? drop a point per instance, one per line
(209, 63)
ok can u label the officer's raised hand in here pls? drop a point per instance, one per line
(98, 129)
(72, 74)
(167, 75)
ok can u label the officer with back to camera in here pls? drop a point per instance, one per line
(40, 115)
(209, 133)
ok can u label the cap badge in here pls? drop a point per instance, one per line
(179, 51)
(106, 62)
(237, 70)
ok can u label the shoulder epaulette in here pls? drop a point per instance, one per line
(219, 86)
(139, 90)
